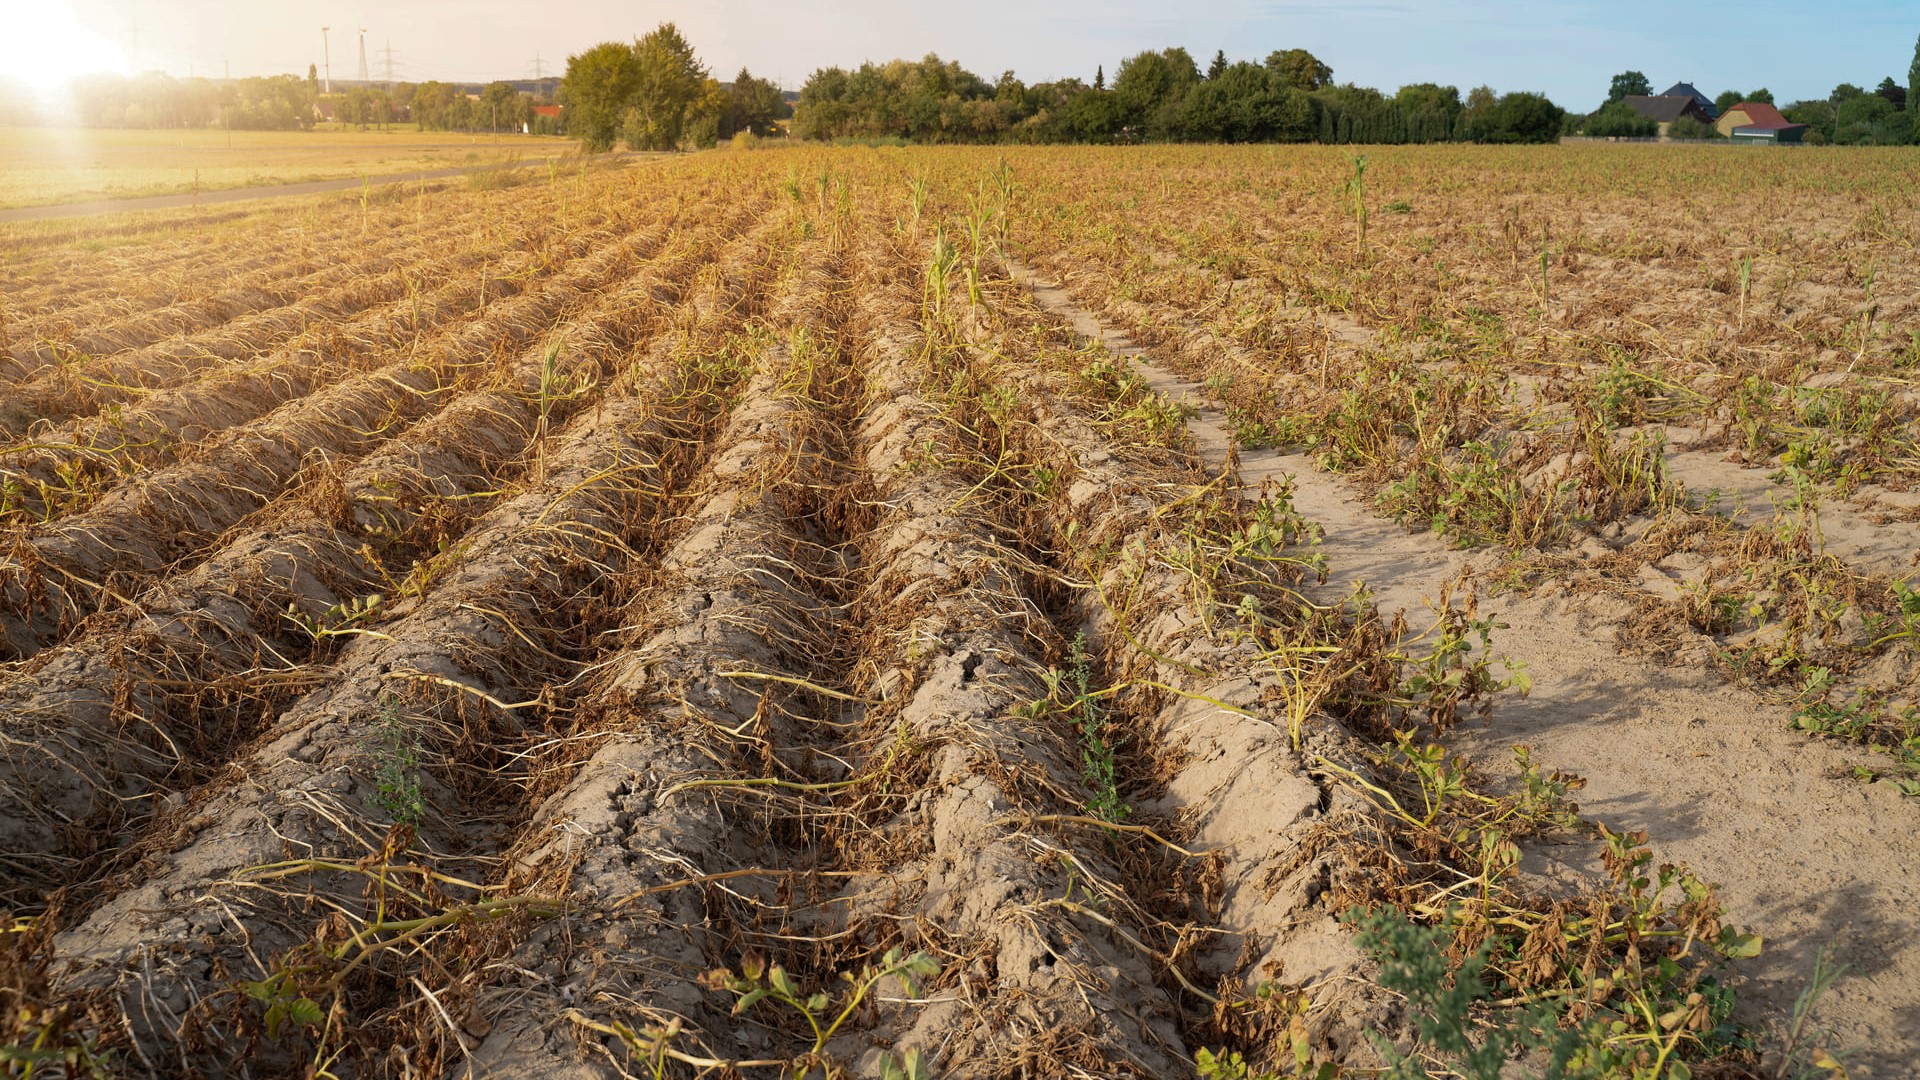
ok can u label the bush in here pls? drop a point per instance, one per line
(1520, 118)
(744, 140)
(1689, 128)
(1619, 121)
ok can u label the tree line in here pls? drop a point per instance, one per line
(157, 100)
(655, 94)
(282, 103)
(1159, 96)
(1888, 115)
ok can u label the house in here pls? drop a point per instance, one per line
(1687, 90)
(1667, 108)
(551, 112)
(1756, 121)
(325, 110)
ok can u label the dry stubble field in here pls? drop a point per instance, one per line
(976, 614)
(42, 166)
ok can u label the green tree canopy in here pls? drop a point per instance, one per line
(669, 83)
(1893, 92)
(598, 85)
(1246, 103)
(1300, 70)
(753, 105)
(1628, 83)
(1617, 120)
(1429, 97)
(1913, 94)
(501, 107)
(1151, 82)
(1869, 120)
(1520, 118)
(1913, 83)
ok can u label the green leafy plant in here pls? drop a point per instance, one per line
(1072, 695)
(287, 1006)
(340, 620)
(1356, 192)
(1413, 962)
(397, 768)
(757, 981)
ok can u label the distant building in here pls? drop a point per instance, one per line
(324, 110)
(1667, 108)
(1756, 121)
(1687, 90)
(552, 112)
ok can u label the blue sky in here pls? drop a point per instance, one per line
(1569, 50)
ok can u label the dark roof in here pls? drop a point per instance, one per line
(1762, 115)
(1663, 109)
(1687, 90)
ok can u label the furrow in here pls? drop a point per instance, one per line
(316, 789)
(62, 571)
(174, 650)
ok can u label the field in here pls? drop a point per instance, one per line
(952, 612)
(40, 166)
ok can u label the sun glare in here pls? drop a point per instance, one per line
(46, 45)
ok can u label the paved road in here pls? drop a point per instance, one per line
(227, 195)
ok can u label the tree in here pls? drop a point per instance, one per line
(1626, 84)
(1617, 120)
(1150, 86)
(753, 105)
(1869, 120)
(1219, 65)
(597, 87)
(313, 80)
(1844, 93)
(1727, 100)
(1100, 77)
(1913, 81)
(1686, 127)
(1913, 93)
(1817, 115)
(1244, 103)
(668, 82)
(1762, 96)
(1893, 92)
(500, 105)
(1480, 102)
(1520, 118)
(1428, 97)
(1093, 116)
(1300, 70)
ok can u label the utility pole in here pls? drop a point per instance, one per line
(386, 57)
(363, 58)
(326, 58)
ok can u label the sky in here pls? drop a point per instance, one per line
(1568, 50)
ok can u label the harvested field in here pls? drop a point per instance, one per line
(1061, 613)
